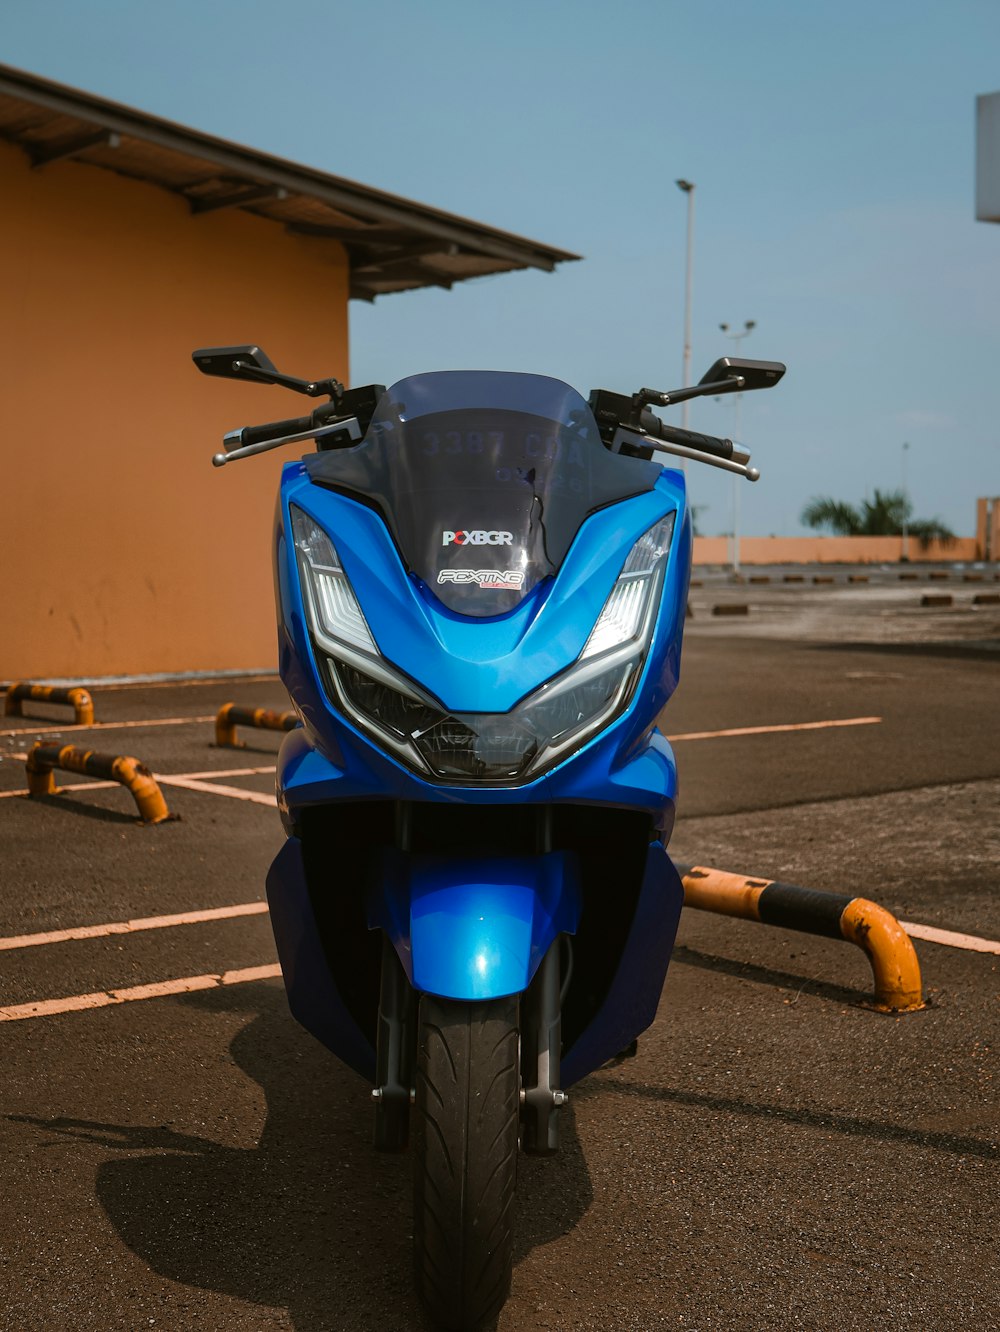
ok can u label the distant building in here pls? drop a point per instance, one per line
(125, 242)
(988, 210)
(988, 528)
(988, 157)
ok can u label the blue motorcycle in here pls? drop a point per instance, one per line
(481, 583)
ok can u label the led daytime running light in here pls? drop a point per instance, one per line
(626, 611)
(330, 601)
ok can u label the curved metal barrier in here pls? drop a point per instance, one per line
(79, 699)
(895, 969)
(129, 772)
(230, 716)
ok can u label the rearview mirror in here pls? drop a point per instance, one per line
(755, 374)
(221, 361)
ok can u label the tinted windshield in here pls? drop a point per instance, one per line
(483, 478)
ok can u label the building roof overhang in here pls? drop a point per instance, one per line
(393, 244)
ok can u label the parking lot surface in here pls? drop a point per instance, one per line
(180, 1154)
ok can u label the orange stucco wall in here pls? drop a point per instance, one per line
(123, 549)
(830, 550)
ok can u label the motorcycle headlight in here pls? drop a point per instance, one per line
(498, 748)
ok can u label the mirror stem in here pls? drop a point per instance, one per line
(311, 388)
(653, 397)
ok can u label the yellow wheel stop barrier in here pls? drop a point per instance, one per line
(230, 716)
(129, 772)
(78, 699)
(895, 969)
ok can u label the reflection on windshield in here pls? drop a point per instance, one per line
(483, 479)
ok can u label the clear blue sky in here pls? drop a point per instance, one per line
(833, 151)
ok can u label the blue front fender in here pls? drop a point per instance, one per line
(475, 928)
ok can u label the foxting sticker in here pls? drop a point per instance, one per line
(498, 580)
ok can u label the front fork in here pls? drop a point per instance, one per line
(541, 1041)
(395, 1053)
(541, 1046)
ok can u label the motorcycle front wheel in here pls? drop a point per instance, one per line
(465, 1130)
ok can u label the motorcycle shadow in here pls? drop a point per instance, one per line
(311, 1219)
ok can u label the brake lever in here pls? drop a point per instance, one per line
(623, 435)
(351, 427)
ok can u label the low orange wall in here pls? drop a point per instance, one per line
(830, 550)
(125, 551)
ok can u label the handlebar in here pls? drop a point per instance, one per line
(344, 429)
(627, 425)
(718, 448)
(259, 434)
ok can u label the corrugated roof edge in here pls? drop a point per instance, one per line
(359, 200)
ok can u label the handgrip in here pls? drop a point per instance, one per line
(718, 448)
(259, 434)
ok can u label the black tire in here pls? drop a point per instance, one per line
(464, 1131)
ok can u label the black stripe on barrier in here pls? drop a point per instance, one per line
(247, 717)
(47, 755)
(806, 909)
(93, 765)
(102, 765)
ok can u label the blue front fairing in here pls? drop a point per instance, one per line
(469, 925)
(473, 665)
(474, 928)
(476, 665)
(480, 664)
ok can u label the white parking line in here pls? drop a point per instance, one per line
(75, 1003)
(769, 730)
(215, 788)
(950, 939)
(207, 783)
(185, 984)
(54, 729)
(194, 781)
(15, 941)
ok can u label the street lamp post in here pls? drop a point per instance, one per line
(737, 336)
(904, 551)
(688, 188)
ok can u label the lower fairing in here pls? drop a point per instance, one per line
(623, 931)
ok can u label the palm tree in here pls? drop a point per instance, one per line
(885, 515)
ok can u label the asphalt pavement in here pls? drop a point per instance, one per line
(777, 1155)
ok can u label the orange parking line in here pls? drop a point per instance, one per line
(768, 730)
(108, 726)
(12, 941)
(76, 1003)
